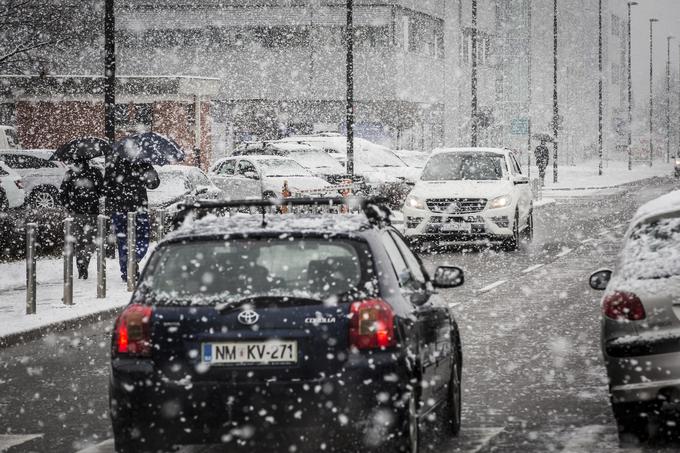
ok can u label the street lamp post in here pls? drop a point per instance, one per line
(109, 74)
(630, 89)
(350, 88)
(600, 93)
(651, 90)
(473, 82)
(668, 99)
(556, 108)
(529, 82)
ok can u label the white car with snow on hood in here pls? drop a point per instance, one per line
(12, 193)
(179, 183)
(470, 195)
(256, 177)
(640, 333)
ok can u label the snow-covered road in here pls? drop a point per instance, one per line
(533, 378)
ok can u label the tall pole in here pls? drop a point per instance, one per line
(529, 82)
(677, 154)
(474, 139)
(109, 71)
(556, 107)
(600, 94)
(630, 89)
(651, 90)
(350, 88)
(668, 99)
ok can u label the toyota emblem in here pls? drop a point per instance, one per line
(248, 317)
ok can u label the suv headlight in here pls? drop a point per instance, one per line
(500, 202)
(677, 162)
(415, 202)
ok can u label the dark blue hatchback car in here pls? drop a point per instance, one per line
(319, 331)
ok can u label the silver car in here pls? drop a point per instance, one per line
(641, 322)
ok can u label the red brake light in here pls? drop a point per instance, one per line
(371, 325)
(623, 306)
(132, 332)
(19, 183)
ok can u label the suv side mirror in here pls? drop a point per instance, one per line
(600, 279)
(521, 180)
(200, 190)
(448, 277)
(251, 175)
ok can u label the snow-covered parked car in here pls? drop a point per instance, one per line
(376, 163)
(179, 183)
(641, 320)
(314, 159)
(42, 177)
(12, 193)
(256, 177)
(415, 159)
(470, 195)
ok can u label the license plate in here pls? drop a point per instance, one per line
(245, 353)
(457, 227)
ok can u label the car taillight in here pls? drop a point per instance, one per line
(19, 184)
(623, 306)
(132, 332)
(371, 325)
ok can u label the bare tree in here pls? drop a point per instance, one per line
(32, 32)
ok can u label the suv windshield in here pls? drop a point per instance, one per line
(205, 273)
(464, 166)
(378, 157)
(653, 251)
(280, 167)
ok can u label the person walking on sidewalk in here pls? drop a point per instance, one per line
(542, 159)
(126, 191)
(79, 193)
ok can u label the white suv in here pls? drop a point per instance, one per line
(470, 195)
(11, 188)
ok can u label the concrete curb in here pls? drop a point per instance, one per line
(60, 326)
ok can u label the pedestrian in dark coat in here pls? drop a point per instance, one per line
(79, 193)
(542, 159)
(126, 191)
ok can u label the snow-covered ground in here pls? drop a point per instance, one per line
(583, 176)
(50, 307)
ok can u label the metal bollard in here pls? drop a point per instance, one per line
(30, 268)
(131, 251)
(68, 261)
(102, 235)
(160, 223)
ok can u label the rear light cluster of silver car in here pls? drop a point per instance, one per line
(371, 325)
(132, 332)
(623, 306)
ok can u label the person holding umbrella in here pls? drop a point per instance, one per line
(542, 154)
(128, 177)
(79, 193)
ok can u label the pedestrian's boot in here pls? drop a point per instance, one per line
(82, 271)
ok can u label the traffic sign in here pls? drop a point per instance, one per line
(520, 126)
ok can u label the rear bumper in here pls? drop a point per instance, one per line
(643, 378)
(212, 411)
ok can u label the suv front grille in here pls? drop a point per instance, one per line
(456, 205)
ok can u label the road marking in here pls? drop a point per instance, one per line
(473, 440)
(8, 441)
(492, 286)
(564, 252)
(532, 268)
(593, 439)
(103, 447)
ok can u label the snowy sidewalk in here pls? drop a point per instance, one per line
(51, 313)
(582, 179)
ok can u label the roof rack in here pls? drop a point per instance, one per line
(373, 208)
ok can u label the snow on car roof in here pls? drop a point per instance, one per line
(256, 158)
(471, 150)
(41, 153)
(663, 205)
(318, 224)
(177, 168)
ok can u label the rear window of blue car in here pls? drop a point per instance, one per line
(214, 272)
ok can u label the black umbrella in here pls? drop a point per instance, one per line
(149, 147)
(81, 149)
(544, 137)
